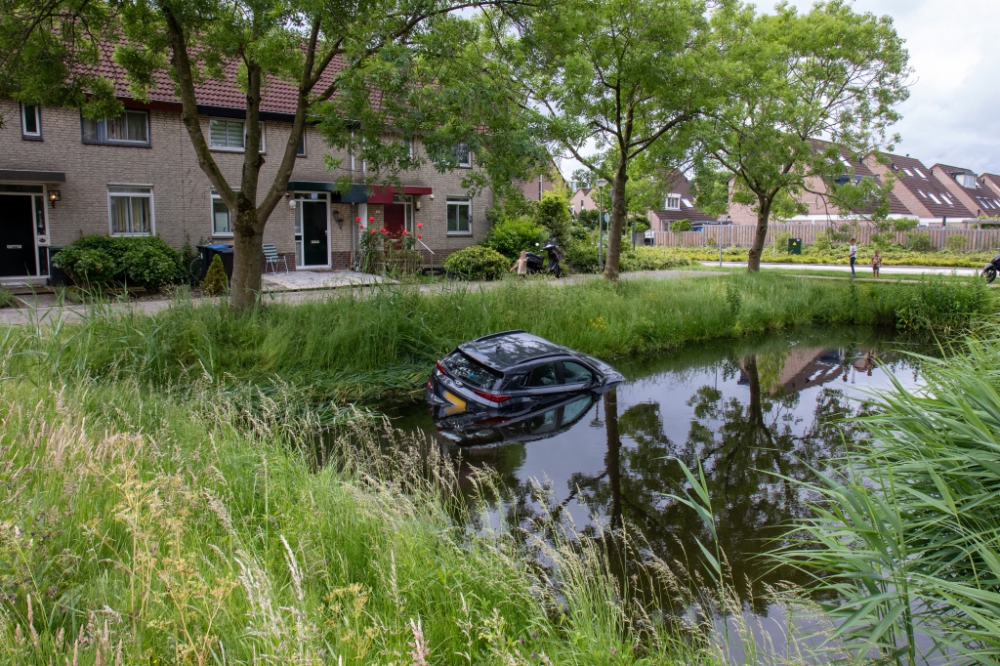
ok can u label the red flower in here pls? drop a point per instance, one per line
(419, 237)
(374, 232)
(357, 219)
(371, 219)
(405, 232)
(361, 226)
(420, 225)
(384, 231)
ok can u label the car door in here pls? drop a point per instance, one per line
(577, 376)
(543, 380)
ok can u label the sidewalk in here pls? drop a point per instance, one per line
(44, 309)
(863, 270)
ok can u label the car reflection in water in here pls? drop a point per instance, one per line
(541, 422)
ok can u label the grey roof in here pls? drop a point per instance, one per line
(504, 350)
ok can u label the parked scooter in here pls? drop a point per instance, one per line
(537, 265)
(991, 269)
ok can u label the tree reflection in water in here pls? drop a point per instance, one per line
(754, 417)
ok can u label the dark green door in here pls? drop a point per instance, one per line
(315, 250)
(17, 236)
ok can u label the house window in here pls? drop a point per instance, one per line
(459, 216)
(31, 121)
(230, 134)
(131, 128)
(222, 219)
(673, 202)
(302, 143)
(408, 147)
(131, 210)
(934, 198)
(462, 154)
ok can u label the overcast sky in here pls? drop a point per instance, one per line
(953, 113)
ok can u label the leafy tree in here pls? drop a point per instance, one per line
(552, 212)
(626, 76)
(790, 79)
(340, 59)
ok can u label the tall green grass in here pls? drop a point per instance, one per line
(371, 346)
(905, 533)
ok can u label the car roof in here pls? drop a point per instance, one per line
(505, 350)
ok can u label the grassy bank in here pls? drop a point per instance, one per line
(368, 347)
(893, 256)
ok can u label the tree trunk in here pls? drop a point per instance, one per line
(618, 213)
(248, 261)
(757, 249)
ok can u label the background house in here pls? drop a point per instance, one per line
(678, 205)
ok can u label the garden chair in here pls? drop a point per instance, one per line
(272, 258)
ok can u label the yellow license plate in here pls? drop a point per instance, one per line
(457, 405)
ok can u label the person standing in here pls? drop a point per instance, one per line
(853, 256)
(521, 265)
(876, 263)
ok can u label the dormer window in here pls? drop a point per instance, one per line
(966, 180)
(673, 202)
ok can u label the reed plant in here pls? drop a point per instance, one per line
(904, 534)
(370, 346)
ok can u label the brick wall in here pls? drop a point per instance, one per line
(182, 193)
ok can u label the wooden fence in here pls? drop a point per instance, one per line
(741, 235)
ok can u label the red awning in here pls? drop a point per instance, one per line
(384, 195)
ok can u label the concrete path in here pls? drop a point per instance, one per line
(862, 270)
(44, 309)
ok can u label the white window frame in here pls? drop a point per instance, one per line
(37, 134)
(301, 151)
(468, 152)
(921, 193)
(240, 149)
(132, 195)
(102, 131)
(934, 198)
(673, 202)
(212, 197)
(457, 201)
(408, 143)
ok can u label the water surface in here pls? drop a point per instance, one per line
(752, 413)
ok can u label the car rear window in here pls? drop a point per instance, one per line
(462, 367)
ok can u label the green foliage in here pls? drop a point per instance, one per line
(552, 213)
(903, 537)
(823, 251)
(216, 283)
(639, 223)
(905, 224)
(680, 225)
(773, 101)
(98, 261)
(918, 241)
(589, 218)
(956, 243)
(6, 298)
(823, 243)
(512, 236)
(186, 259)
(477, 263)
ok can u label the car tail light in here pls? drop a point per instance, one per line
(440, 368)
(491, 396)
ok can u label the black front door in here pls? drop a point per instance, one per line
(314, 241)
(17, 236)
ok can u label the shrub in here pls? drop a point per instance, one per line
(919, 241)
(477, 263)
(145, 261)
(680, 225)
(823, 243)
(552, 212)
(640, 223)
(582, 256)
(905, 224)
(512, 236)
(579, 233)
(589, 218)
(216, 283)
(6, 298)
(956, 243)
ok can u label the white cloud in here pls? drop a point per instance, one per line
(952, 113)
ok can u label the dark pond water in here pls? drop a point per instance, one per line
(749, 412)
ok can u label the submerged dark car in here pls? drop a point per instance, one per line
(541, 421)
(513, 373)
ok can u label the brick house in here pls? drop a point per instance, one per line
(547, 181)
(922, 192)
(63, 176)
(678, 205)
(974, 192)
(583, 199)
